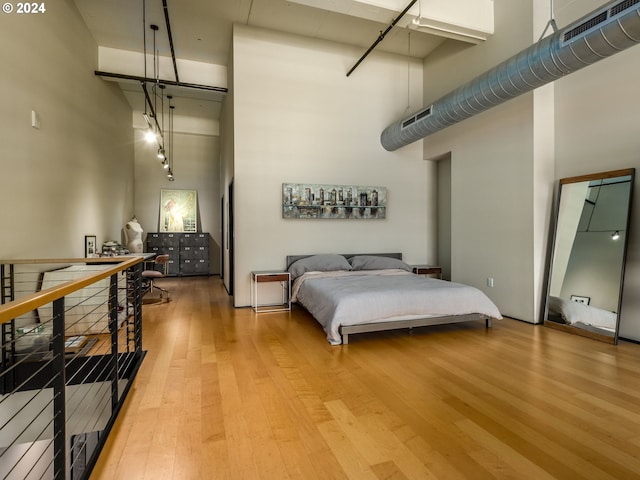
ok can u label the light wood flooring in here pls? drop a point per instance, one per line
(227, 394)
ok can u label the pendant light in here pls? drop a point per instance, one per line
(161, 150)
(169, 163)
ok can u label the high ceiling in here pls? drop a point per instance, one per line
(201, 30)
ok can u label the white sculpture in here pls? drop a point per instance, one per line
(133, 231)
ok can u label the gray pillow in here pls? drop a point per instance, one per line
(319, 263)
(372, 262)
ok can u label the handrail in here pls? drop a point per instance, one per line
(64, 378)
(32, 301)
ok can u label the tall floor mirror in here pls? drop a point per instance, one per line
(588, 254)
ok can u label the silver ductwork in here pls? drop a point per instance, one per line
(600, 34)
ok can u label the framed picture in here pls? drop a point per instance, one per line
(178, 211)
(333, 201)
(580, 299)
(90, 246)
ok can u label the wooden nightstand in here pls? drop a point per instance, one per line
(428, 270)
(265, 276)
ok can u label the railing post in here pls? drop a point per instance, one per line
(137, 306)
(7, 283)
(8, 332)
(113, 329)
(59, 394)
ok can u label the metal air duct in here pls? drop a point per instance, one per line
(600, 34)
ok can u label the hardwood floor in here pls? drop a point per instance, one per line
(227, 394)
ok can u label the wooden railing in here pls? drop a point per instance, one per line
(71, 344)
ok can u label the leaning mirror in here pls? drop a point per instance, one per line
(588, 254)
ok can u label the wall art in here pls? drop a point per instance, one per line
(178, 211)
(90, 246)
(303, 200)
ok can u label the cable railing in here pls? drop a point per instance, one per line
(71, 345)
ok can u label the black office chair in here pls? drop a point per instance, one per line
(152, 275)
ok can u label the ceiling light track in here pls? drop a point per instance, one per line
(381, 36)
(173, 53)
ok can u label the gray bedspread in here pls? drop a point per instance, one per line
(352, 298)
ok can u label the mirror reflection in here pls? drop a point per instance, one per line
(588, 254)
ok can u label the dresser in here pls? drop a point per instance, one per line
(188, 252)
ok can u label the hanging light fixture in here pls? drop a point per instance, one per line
(615, 235)
(408, 109)
(149, 134)
(156, 86)
(155, 128)
(161, 151)
(165, 161)
(169, 163)
(153, 131)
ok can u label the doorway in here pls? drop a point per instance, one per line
(444, 215)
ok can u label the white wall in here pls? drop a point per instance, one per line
(74, 176)
(196, 167)
(597, 129)
(298, 118)
(226, 170)
(492, 214)
(507, 161)
(444, 216)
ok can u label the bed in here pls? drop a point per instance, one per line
(357, 293)
(585, 316)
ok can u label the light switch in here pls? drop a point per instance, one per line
(35, 119)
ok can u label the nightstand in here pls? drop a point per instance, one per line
(267, 276)
(427, 270)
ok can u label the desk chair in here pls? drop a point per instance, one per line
(152, 275)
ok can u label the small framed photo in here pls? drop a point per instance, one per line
(89, 246)
(580, 299)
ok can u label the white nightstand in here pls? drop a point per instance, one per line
(265, 276)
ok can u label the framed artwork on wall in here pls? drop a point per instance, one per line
(178, 211)
(89, 246)
(302, 200)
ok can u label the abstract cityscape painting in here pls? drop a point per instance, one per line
(304, 200)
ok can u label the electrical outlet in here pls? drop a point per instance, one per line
(490, 282)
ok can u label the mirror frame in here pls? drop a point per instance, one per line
(570, 328)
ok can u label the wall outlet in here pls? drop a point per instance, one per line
(490, 282)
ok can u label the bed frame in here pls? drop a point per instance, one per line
(347, 330)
